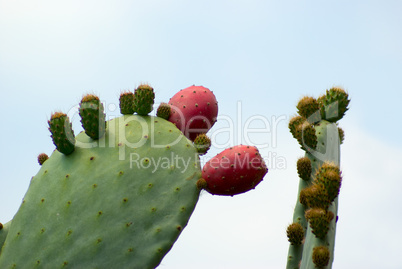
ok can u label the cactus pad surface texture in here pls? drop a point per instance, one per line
(117, 202)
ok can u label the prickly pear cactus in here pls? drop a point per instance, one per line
(119, 194)
(312, 233)
(117, 202)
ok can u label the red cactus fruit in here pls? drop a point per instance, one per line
(194, 110)
(235, 170)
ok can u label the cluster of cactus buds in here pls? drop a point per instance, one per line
(314, 219)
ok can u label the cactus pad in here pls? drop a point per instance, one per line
(118, 202)
(334, 104)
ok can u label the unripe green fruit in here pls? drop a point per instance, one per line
(163, 111)
(307, 137)
(319, 220)
(92, 116)
(126, 103)
(202, 143)
(321, 256)
(293, 124)
(42, 158)
(304, 168)
(144, 99)
(329, 176)
(303, 196)
(295, 233)
(62, 133)
(316, 196)
(309, 108)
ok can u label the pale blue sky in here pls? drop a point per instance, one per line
(261, 56)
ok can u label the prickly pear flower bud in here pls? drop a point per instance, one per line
(126, 103)
(320, 256)
(295, 233)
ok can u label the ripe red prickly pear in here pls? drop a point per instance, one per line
(235, 170)
(194, 110)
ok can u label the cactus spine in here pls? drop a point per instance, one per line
(316, 208)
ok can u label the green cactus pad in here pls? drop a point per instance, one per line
(62, 133)
(202, 143)
(126, 103)
(42, 158)
(334, 104)
(144, 99)
(164, 111)
(92, 116)
(117, 202)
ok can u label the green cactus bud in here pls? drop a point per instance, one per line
(295, 233)
(62, 133)
(202, 143)
(333, 104)
(92, 116)
(127, 103)
(329, 176)
(294, 122)
(201, 184)
(42, 158)
(316, 196)
(320, 256)
(309, 108)
(319, 220)
(304, 168)
(303, 196)
(341, 135)
(143, 99)
(307, 138)
(163, 111)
